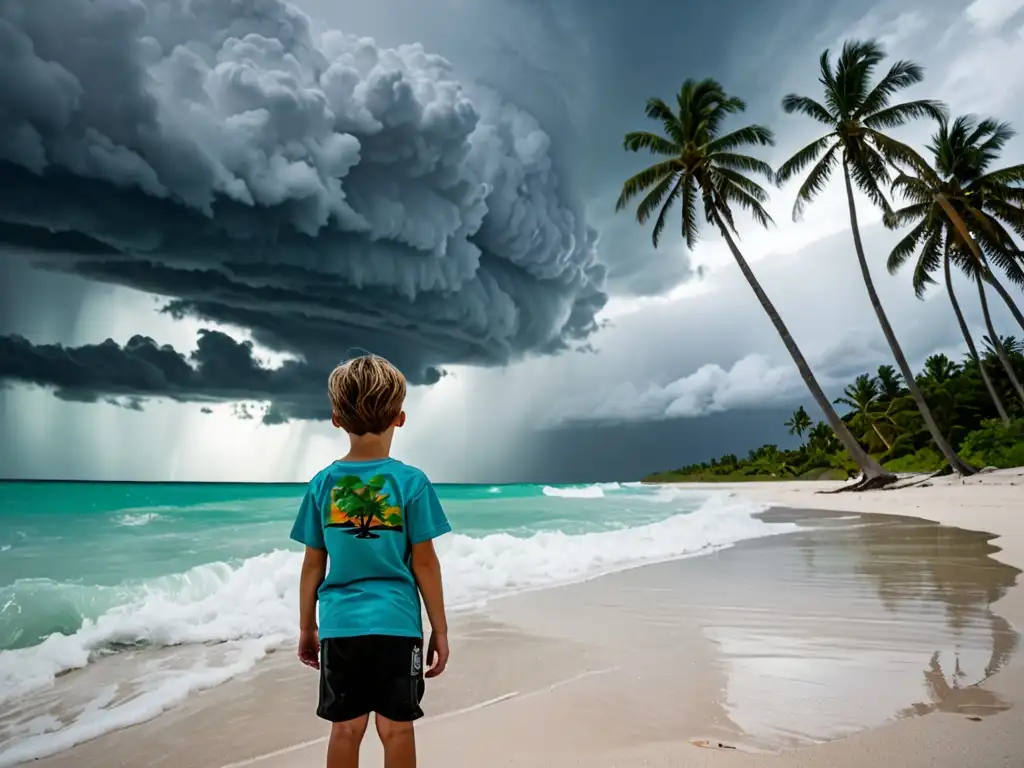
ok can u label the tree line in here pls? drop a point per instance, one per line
(962, 212)
(884, 419)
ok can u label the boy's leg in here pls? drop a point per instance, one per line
(398, 689)
(345, 697)
(399, 742)
(343, 746)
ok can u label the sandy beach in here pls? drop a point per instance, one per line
(870, 635)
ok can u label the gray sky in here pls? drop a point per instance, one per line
(191, 181)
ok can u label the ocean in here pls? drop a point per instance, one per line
(205, 573)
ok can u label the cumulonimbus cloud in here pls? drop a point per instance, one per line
(323, 192)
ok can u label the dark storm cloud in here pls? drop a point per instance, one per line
(220, 369)
(323, 192)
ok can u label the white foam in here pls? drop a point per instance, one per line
(251, 605)
(478, 569)
(136, 520)
(577, 492)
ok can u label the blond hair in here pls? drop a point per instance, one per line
(367, 394)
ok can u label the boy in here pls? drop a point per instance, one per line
(368, 523)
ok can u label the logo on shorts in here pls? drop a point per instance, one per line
(417, 661)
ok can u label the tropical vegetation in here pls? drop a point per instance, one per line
(882, 414)
(964, 213)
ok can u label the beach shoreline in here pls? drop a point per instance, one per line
(542, 699)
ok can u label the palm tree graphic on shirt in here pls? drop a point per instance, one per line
(362, 507)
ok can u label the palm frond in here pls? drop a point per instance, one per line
(731, 190)
(998, 133)
(905, 247)
(908, 215)
(895, 152)
(742, 163)
(965, 262)
(815, 181)
(856, 64)
(690, 226)
(656, 109)
(807, 106)
(928, 261)
(902, 74)
(745, 183)
(868, 171)
(746, 136)
(654, 199)
(911, 188)
(1013, 174)
(802, 159)
(900, 114)
(645, 179)
(652, 142)
(1011, 214)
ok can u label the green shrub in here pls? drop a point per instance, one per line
(924, 460)
(995, 445)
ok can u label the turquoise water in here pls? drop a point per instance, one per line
(106, 533)
(71, 551)
(88, 570)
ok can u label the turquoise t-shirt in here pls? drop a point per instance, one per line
(367, 515)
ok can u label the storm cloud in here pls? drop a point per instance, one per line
(322, 192)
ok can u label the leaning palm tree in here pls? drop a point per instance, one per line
(934, 243)
(699, 165)
(856, 113)
(979, 201)
(941, 200)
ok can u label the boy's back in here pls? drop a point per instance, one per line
(368, 515)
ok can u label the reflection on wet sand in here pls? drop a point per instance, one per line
(879, 617)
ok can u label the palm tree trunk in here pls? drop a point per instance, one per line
(886, 443)
(955, 462)
(997, 344)
(967, 237)
(992, 391)
(1007, 298)
(874, 474)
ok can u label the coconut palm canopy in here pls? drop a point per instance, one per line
(962, 211)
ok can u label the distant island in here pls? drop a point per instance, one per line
(883, 417)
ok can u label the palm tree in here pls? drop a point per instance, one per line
(941, 200)
(822, 437)
(856, 113)
(968, 190)
(1014, 347)
(938, 240)
(799, 422)
(862, 398)
(890, 383)
(700, 165)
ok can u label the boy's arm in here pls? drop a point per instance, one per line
(314, 568)
(427, 570)
(427, 521)
(308, 530)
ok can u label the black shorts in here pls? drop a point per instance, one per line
(371, 673)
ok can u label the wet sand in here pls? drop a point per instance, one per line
(856, 622)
